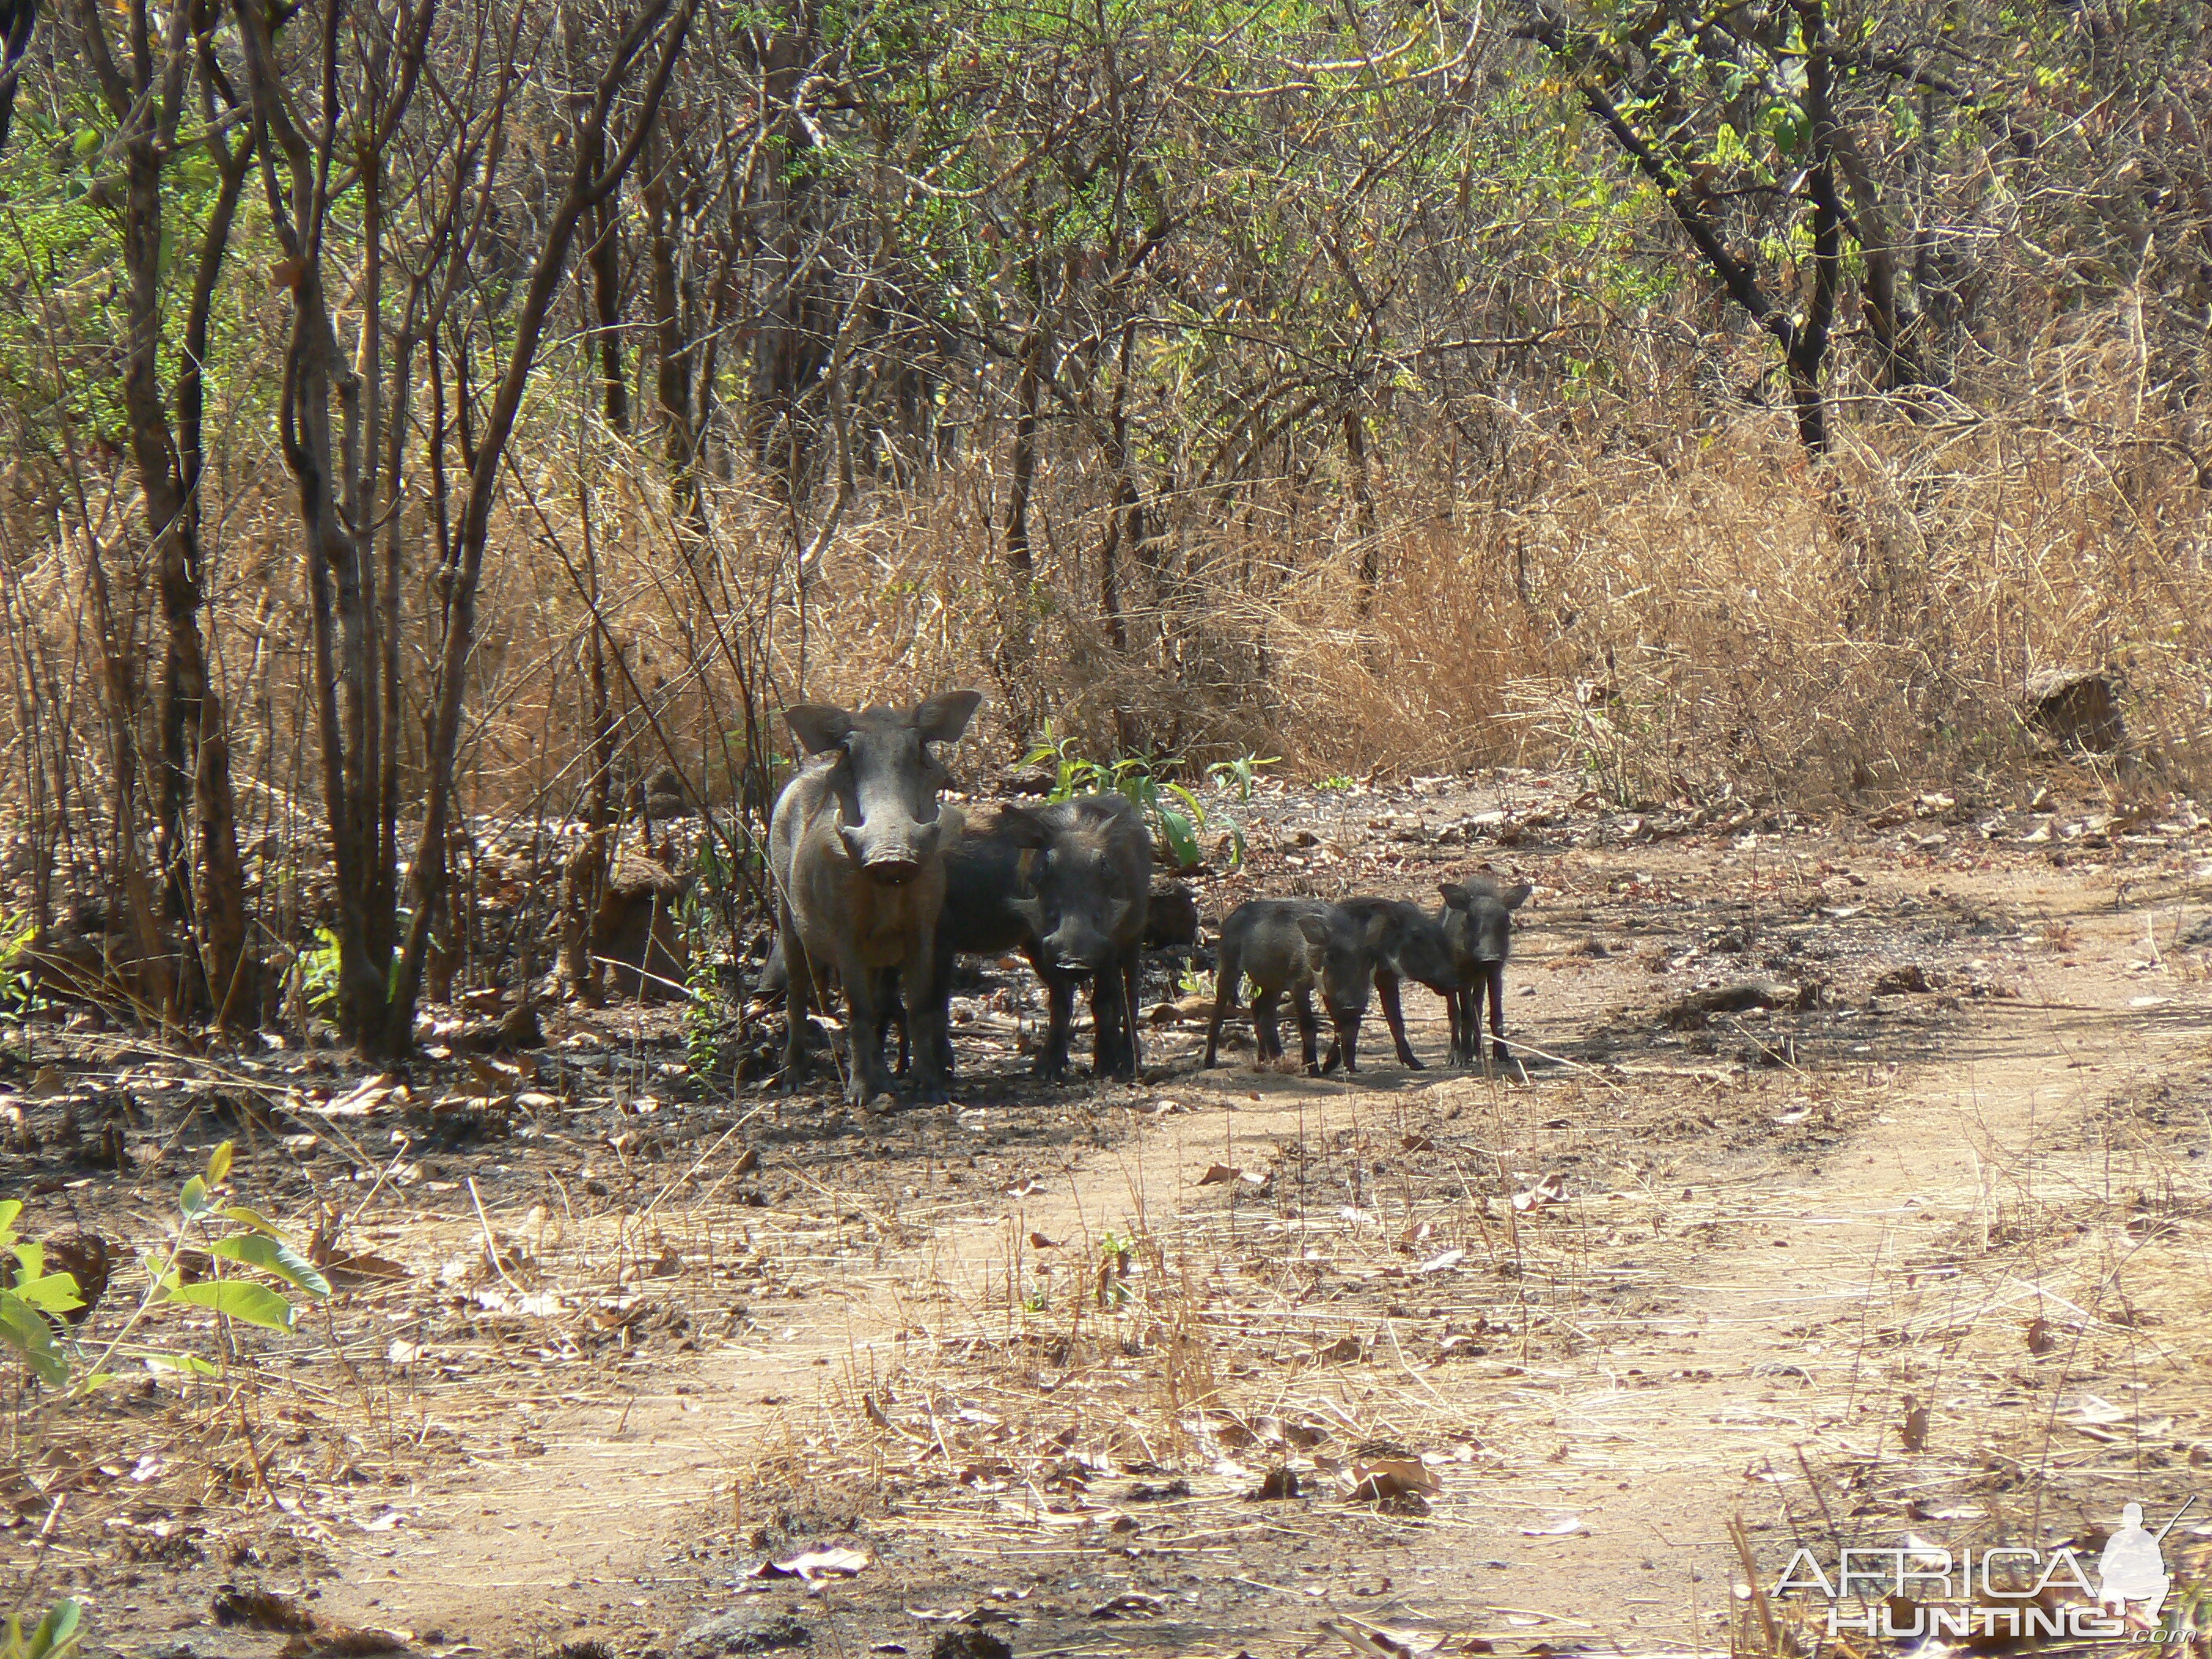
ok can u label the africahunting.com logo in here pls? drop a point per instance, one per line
(1921, 1592)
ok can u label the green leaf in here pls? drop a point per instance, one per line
(193, 1199)
(58, 1632)
(274, 1255)
(50, 1292)
(9, 1209)
(190, 1363)
(218, 1168)
(239, 1298)
(1197, 811)
(1182, 841)
(23, 1329)
(246, 1216)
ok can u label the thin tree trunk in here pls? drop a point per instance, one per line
(587, 186)
(1898, 355)
(1127, 516)
(1363, 506)
(604, 259)
(1023, 466)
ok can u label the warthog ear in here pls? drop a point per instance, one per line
(1316, 930)
(943, 717)
(1025, 829)
(818, 725)
(1377, 925)
(1453, 892)
(1516, 896)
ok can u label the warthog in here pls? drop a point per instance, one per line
(1408, 944)
(1294, 945)
(1478, 925)
(1067, 885)
(856, 847)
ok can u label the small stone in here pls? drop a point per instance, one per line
(748, 1632)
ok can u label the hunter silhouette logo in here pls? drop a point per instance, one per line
(2001, 1590)
(2133, 1566)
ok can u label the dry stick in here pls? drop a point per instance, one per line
(1743, 1542)
(1561, 1059)
(492, 1244)
(700, 1162)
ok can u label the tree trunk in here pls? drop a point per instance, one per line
(233, 975)
(1898, 353)
(604, 259)
(1022, 465)
(205, 892)
(1363, 506)
(587, 185)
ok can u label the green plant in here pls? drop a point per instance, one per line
(1242, 773)
(318, 968)
(18, 995)
(32, 1300)
(703, 997)
(235, 1233)
(1176, 813)
(54, 1635)
(1116, 1254)
(33, 1294)
(1338, 783)
(318, 971)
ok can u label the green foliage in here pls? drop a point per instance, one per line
(1177, 814)
(55, 1636)
(18, 996)
(30, 1296)
(236, 1299)
(1117, 1255)
(274, 1254)
(226, 1232)
(702, 991)
(318, 972)
(1242, 773)
(319, 968)
(32, 1301)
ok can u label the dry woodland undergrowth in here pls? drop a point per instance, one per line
(1674, 599)
(1037, 1356)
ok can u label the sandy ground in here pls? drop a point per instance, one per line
(1029, 1360)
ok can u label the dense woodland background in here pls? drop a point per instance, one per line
(425, 414)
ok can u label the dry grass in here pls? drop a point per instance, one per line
(1660, 592)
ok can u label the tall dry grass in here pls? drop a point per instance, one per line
(1659, 590)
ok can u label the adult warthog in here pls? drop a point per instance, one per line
(857, 851)
(1066, 884)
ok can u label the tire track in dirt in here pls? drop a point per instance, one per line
(1645, 1438)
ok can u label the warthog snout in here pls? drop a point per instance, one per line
(893, 856)
(1084, 942)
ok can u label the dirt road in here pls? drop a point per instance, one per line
(1925, 1262)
